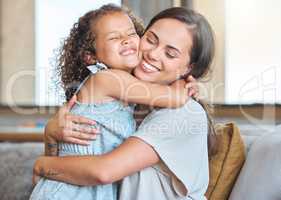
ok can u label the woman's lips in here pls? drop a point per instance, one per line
(148, 68)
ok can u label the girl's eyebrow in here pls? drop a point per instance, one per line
(169, 46)
(129, 29)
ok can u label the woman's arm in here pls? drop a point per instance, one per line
(131, 156)
(122, 85)
(64, 126)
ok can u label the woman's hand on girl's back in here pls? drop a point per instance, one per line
(70, 128)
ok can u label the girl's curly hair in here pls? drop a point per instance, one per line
(71, 59)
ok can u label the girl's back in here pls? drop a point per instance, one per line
(115, 122)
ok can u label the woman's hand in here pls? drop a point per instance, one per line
(36, 172)
(67, 127)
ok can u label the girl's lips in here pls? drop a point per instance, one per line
(148, 68)
(128, 51)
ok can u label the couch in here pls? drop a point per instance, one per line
(254, 182)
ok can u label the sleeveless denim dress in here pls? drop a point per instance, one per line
(116, 123)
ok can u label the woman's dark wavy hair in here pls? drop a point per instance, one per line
(202, 53)
(71, 60)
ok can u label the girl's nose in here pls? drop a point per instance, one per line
(126, 40)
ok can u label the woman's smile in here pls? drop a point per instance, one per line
(147, 67)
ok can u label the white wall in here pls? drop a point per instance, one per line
(253, 51)
(17, 78)
(54, 19)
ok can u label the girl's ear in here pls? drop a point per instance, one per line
(89, 58)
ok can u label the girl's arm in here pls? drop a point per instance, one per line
(122, 85)
(131, 156)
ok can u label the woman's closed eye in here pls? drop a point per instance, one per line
(171, 54)
(151, 40)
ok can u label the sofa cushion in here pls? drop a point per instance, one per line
(226, 164)
(260, 177)
(16, 169)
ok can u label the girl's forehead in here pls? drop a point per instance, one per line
(115, 21)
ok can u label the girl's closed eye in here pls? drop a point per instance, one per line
(114, 37)
(132, 34)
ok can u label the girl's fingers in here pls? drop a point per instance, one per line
(192, 89)
(190, 78)
(191, 92)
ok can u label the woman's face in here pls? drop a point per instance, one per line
(165, 49)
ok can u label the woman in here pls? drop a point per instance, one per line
(167, 158)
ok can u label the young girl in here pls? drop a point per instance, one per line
(106, 41)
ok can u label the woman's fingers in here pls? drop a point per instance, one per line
(35, 179)
(74, 140)
(75, 132)
(81, 120)
(81, 135)
(84, 129)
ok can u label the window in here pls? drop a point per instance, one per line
(253, 51)
(53, 21)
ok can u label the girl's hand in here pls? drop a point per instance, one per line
(192, 87)
(67, 127)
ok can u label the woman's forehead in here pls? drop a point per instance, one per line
(172, 32)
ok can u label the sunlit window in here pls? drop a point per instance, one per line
(253, 51)
(53, 21)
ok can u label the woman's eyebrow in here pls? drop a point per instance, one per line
(169, 46)
(154, 34)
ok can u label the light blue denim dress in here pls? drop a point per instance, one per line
(116, 123)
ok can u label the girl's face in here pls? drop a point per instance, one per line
(165, 49)
(117, 42)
